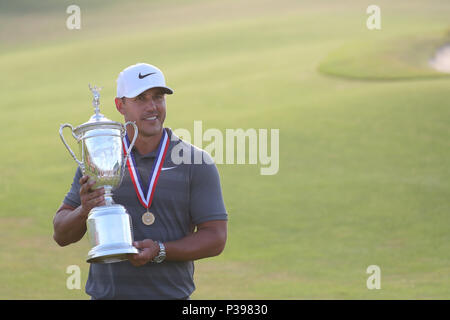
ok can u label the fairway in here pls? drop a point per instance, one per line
(364, 171)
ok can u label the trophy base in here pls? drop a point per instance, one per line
(110, 234)
(110, 253)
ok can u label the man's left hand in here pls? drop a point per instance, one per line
(148, 249)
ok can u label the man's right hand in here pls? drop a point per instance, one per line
(69, 224)
(90, 198)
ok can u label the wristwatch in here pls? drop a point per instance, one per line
(161, 255)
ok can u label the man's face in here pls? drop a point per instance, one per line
(148, 110)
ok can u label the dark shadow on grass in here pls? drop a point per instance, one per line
(381, 79)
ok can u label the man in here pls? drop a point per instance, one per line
(184, 220)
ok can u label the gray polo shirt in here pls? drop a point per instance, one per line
(186, 195)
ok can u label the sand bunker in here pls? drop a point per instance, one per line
(441, 60)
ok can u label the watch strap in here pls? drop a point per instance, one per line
(162, 253)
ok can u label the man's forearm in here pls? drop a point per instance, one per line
(69, 226)
(208, 241)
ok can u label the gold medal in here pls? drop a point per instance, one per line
(148, 218)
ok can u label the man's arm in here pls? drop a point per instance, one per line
(69, 224)
(208, 241)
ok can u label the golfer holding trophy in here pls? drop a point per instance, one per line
(147, 216)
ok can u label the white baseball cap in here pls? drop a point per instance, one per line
(139, 77)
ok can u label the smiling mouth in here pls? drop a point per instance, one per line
(151, 118)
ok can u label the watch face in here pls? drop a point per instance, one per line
(159, 258)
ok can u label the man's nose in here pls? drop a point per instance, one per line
(150, 104)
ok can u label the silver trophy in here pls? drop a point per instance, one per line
(103, 159)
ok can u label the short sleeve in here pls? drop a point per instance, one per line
(73, 196)
(206, 200)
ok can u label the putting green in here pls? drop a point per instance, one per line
(392, 58)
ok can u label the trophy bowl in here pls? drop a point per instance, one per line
(104, 158)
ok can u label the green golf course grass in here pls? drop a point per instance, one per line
(364, 172)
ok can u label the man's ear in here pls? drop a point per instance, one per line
(119, 105)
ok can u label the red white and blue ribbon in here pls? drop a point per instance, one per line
(145, 195)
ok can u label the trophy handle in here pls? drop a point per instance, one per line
(64, 141)
(134, 137)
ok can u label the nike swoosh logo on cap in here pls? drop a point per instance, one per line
(168, 168)
(145, 75)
